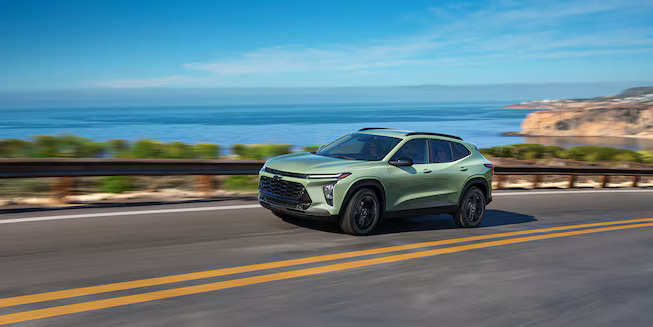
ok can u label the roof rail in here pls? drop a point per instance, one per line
(434, 134)
(369, 128)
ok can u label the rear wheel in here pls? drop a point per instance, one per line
(361, 214)
(471, 209)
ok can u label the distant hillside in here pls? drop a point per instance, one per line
(632, 96)
(627, 114)
(636, 92)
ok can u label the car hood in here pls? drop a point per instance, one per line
(309, 163)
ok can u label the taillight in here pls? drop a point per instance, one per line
(490, 166)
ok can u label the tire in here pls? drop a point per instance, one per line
(362, 213)
(471, 210)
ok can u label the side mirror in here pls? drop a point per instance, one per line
(402, 162)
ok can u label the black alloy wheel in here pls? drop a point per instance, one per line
(362, 213)
(472, 208)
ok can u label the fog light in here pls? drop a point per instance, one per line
(328, 193)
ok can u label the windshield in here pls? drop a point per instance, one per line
(360, 147)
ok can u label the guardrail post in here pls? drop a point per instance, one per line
(203, 185)
(635, 181)
(572, 181)
(605, 179)
(61, 189)
(536, 180)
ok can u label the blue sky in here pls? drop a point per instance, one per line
(142, 44)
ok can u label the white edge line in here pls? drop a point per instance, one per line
(128, 213)
(251, 206)
(568, 192)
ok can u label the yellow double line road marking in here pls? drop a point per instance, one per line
(56, 295)
(182, 291)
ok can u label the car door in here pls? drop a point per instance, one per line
(406, 187)
(462, 167)
(442, 175)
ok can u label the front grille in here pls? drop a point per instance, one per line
(284, 173)
(285, 189)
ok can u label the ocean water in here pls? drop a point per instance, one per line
(316, 124)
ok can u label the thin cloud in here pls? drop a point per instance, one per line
(459, 34)
(149, 82)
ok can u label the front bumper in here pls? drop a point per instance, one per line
(288, 197)
(266, 202)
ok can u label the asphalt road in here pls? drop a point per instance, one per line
(541, 258)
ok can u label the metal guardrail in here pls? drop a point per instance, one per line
(573, 172)
(74, 167)
(64, 169)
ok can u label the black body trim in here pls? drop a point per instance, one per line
(371, 128)
(284, 173)
(360, 184)
(478, 180)
(421, 211)
(434, 134)
(309, 213)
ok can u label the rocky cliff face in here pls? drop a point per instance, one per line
(635, 121)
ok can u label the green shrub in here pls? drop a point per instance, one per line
(552, 151)
(630, 156)
(311, 148)
(147, 149)
(646, 156)
(238, 149)
(259, 151)
(46, 146)
(89, 150)
(531, 155)
(206, 151)
(241, 183)
(118, 148)
(117, 184)
(502, 151)
(25, 187)
(71, 146)
(580, 153)
(15, 148)
(178, 150)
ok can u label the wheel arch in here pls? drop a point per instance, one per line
(373, 184)
(479, 182)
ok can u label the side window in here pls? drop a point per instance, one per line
(440, 151)
(414, 149)
(459, 151)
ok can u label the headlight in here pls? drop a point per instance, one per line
(318, 176)
(328, 193)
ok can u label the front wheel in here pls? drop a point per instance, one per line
(471, 209)
(362, 213)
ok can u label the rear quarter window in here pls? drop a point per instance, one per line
(441, 151)
(459, 151)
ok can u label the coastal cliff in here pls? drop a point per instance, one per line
(628, 114)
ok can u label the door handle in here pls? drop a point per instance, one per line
(463, 168)
(426, 171)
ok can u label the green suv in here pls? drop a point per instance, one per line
(377, 173)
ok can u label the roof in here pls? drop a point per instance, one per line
(403, 133)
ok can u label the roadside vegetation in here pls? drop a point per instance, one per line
(71, 146)
(579, 153)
